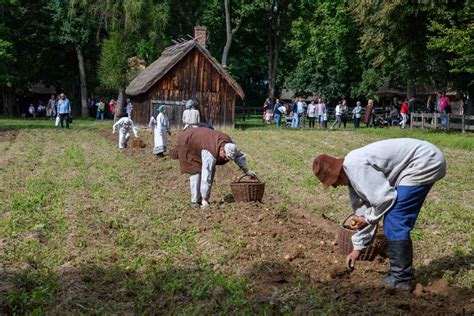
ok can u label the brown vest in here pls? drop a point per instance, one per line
(192, 141)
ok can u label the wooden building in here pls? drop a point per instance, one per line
(186, 71)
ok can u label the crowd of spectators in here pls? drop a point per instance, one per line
(294, 114)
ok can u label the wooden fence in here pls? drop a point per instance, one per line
(435, 120)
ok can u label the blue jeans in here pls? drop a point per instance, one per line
(444, 119)
(277, 118)
(100, 115)
(400, 220)
(294, 122)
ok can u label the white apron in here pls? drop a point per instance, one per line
(161, 134)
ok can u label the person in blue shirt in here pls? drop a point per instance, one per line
(64, 110)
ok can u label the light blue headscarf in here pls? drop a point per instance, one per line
(161, 108)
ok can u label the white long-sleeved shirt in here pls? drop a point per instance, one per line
(125, 124)
(374, 172)
(338, 109)
(191, 117)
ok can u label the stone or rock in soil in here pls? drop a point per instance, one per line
(440, 287)
(419, 290)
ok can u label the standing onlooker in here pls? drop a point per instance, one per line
(404, 112)
(268, 117)
(268, 104)
(321, 110)
(394, 116)
(32, 110)
(311, 114)
(369, 117)
(112, 105)
(277, 113)
(357, 114)
(51, 107)
(344, 111)
(191, 117)
(41, 109)
(100, 109)
(301, 110)
(294, 110)
(338, 115)
(129, 107)
(64, 109)
(443, 108)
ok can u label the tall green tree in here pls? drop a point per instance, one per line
(324, 44)
(74, 30)
(135, 28)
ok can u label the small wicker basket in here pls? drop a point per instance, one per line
(137, 143)
(247, 191)
(378, 245)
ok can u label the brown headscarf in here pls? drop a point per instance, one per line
(327, 169)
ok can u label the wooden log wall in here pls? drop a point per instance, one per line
(193, 77)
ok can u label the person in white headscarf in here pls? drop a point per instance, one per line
(162, 131)
(125, 125)
(199, 151)
(190, 115)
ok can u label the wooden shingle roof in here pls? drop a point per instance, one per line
(169, 58)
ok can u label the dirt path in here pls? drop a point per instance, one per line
(277, 248)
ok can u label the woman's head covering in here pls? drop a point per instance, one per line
(189, 104)
(327, 169)
(161, 108)
(231, 151)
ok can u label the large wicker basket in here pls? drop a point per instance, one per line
(378, 245)
(247, 191)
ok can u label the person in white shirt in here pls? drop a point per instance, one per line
(191, 116)
(387, 179)
(32, 110)
(338, 115)
(311, 114)
(321, 110)
(162, 131)
(125, 125)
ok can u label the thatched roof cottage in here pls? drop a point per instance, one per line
(186, 71)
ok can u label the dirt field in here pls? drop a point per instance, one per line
(86, 228)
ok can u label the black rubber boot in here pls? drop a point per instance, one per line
(400, 253)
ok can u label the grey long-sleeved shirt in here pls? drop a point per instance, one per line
(374, 172)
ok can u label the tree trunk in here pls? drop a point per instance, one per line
(228, 32)
(82, 75)
(8, 100)
(119, 107)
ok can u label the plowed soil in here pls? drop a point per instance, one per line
(291, 247)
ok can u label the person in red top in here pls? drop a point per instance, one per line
(111, 109)
(404, 112)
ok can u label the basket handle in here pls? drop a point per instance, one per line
(245, 175)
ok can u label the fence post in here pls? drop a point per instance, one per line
(449, 121)
(463, 123)
(411, 120)
(422, 120)
(435, 120)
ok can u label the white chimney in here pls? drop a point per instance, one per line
(200, 34)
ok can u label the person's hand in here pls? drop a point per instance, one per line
(352, 258)
(250, 173)
(359, 221)
(113, 132)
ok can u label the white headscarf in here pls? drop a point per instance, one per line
(189, 104)
(231, 151)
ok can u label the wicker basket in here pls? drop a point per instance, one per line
(174, 153)
(137, 143)
(247, 191)
(378, 244)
